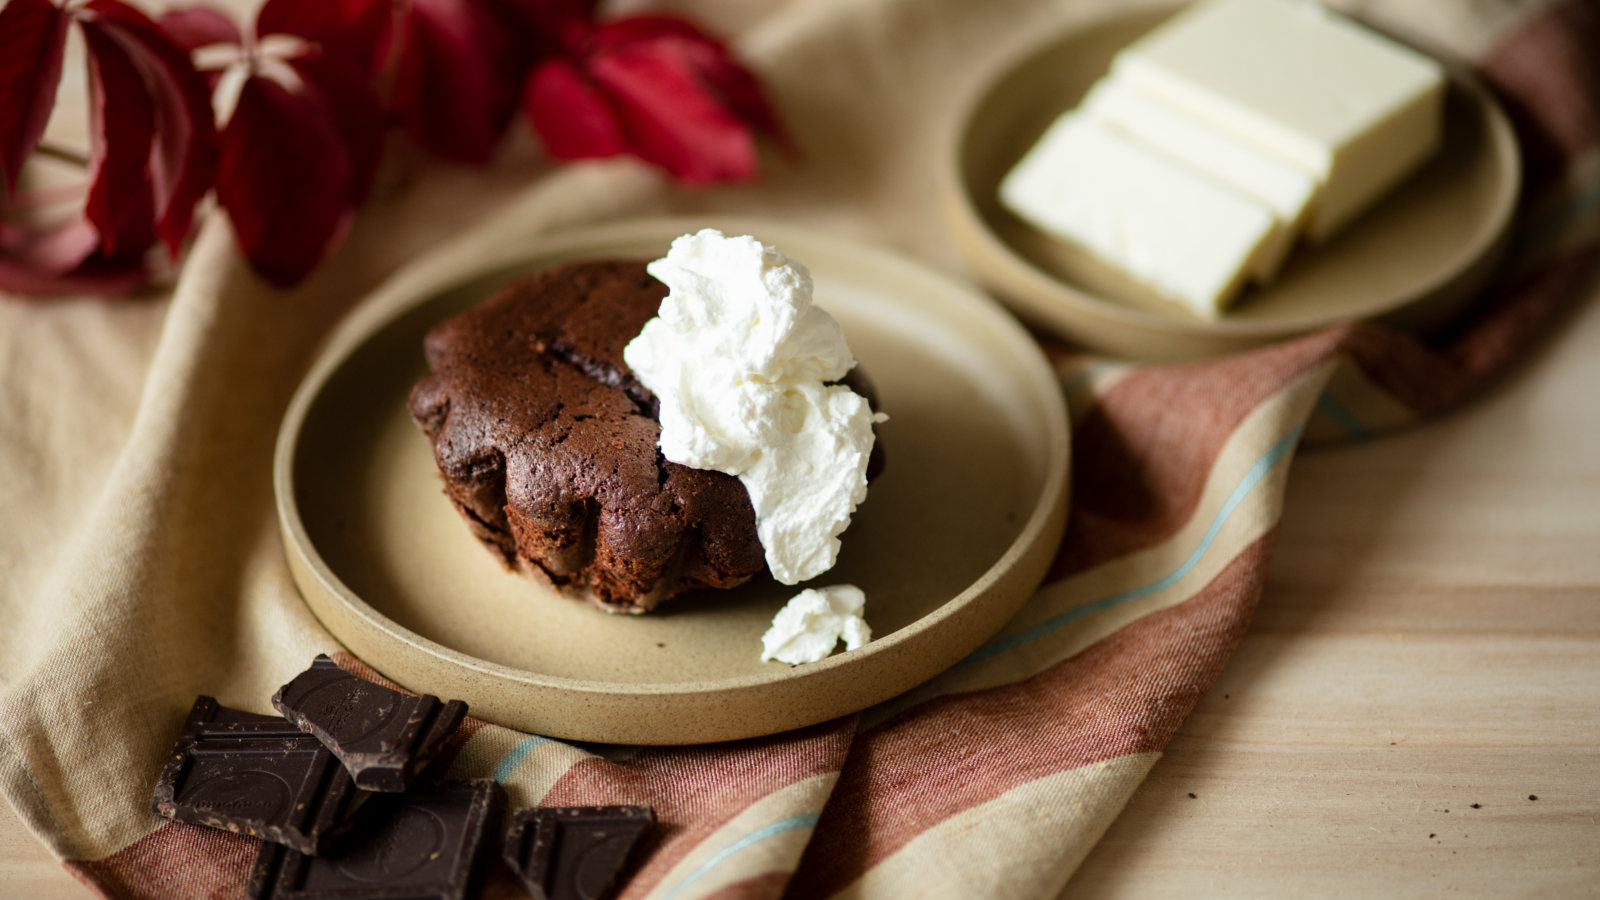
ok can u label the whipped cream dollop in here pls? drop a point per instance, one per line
(813, 621)
(739, 358)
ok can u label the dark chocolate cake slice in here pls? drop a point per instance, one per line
(548, 444)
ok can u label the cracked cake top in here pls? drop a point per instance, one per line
(548, 443)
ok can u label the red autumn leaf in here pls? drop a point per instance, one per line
(152, 144)
(33, 36)
(114, 280)
(355, 111)
(301, 145)
(665, 90)
(63, 258)
(546, 25)
(57, 248)
(356, 31)
(456, 77)
(297, 157)
(721, 75)
(121, 203)
(572, 113)
(193, 27)
(656, 86)
(183, 160)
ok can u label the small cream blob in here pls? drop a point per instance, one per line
(813, 621)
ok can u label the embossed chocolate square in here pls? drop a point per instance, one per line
(422, 845)
(385, 738)
(256, 775)
(574, 852)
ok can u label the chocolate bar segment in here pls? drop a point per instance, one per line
(422, 845)
(384, 737)
(574, 852)
(256, 775)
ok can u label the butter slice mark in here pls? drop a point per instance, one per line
(1239, 165)
(1352, 108)
(1188, 238)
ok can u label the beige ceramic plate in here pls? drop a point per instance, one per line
(1415, 258)
(955, 535)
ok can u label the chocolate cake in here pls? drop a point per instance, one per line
(547, 444)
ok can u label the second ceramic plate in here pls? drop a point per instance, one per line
(953, 538)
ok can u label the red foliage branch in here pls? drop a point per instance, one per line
(285, 121)
(654, 86)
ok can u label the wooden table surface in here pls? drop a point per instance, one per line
(1425, 662)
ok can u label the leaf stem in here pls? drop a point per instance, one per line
(62, 154)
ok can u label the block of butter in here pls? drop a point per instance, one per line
(1250, 170)
(1176, 230)
(1353, 109)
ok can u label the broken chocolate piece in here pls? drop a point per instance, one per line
(430, 845)
(385, 738)
(574, 852)
(256, 775)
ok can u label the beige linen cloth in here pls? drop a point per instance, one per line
(140, 563)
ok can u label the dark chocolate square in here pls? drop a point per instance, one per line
(421, 845)
(256, 775)
(384, 738)
(574, 852)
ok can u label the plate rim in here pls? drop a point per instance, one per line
(963, 217)
(1043, 525)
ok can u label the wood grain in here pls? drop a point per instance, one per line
(27, 869)
(1429, 640)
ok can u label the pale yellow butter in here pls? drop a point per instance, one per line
(1241, 166)
(1353, 109)
(1174, 229)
